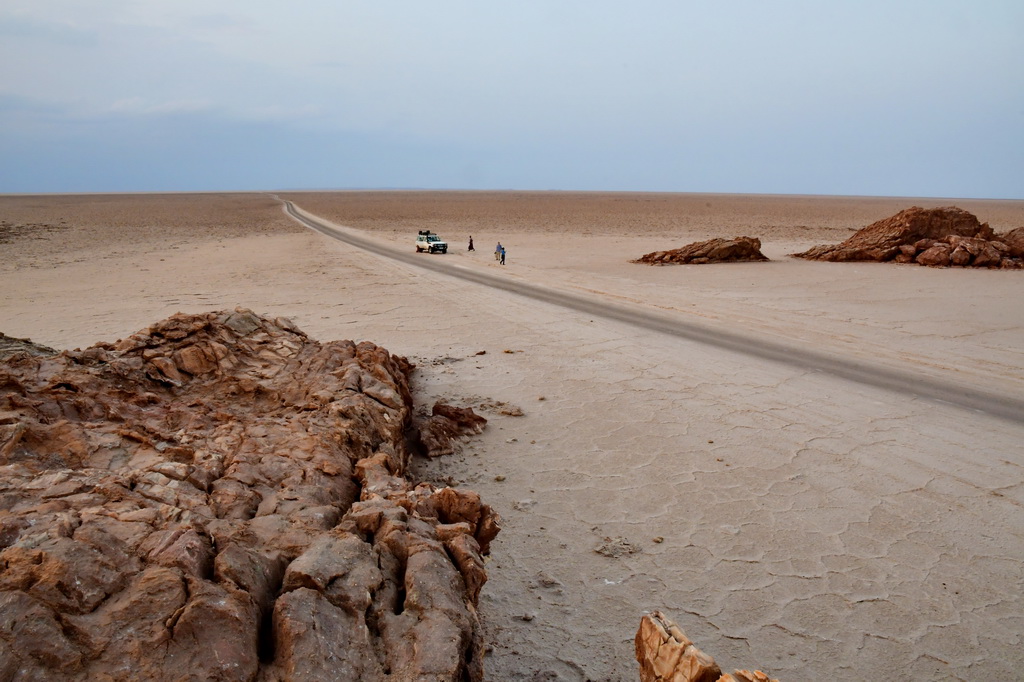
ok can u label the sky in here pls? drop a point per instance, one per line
(864, 97)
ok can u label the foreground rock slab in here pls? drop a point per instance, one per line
(716, 250)
(666, 654)
(221, 497)
(937, 237)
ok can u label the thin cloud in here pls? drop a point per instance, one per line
(140, 107)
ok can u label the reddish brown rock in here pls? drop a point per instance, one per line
(1014, 240)
(446, 423)
(937, 237)
(881, 241)
(746, 676)
(221, 497)
(937, 255)
(960, 256)
(666, 654)
(716, 250)
(988, 256)
(972, 245)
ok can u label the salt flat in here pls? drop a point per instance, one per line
(810, 526)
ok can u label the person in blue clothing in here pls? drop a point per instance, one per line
(502, 255)
(497, 251)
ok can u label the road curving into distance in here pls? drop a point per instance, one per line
(891, 379)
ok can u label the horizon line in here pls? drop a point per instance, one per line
(504, 191)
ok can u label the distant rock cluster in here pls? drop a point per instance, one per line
(221, 497)
(937, 237)
(716, 250)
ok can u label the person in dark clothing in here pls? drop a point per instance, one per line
(471, 243)
(503, 255)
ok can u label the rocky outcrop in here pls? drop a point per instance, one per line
(221, 497)
(935, 237)
(10, 345)
(1014, 240)
(666, 654)
(446, 422)
(716, 250)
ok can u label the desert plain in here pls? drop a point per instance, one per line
(788, 518)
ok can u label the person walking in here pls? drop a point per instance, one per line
(497, 251)
(503, 255)
(471, 243)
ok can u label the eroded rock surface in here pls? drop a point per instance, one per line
(937, 237)
(666, 654)
(716, 250)
(221, 497)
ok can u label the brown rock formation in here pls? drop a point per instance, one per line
(936, 237)
(666, 654)
(716, 250)
(446, 422)
(221, 497)
(1014, 239)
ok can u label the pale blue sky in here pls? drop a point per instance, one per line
(888, 97)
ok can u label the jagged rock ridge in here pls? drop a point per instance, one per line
(936, 237)
(221, 497)
(717, 250)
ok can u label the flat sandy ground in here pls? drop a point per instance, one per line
(811, 526)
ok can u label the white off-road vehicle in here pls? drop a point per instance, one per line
(430, 242)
